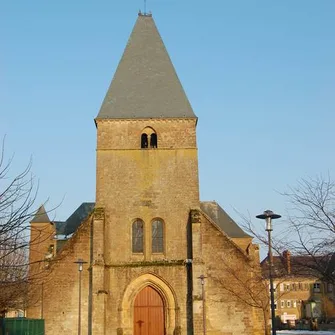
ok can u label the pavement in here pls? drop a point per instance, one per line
(305, 332)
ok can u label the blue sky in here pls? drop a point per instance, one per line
(259, 74)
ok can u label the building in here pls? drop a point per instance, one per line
(147, 239)
(300, 293)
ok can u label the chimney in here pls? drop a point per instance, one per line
(287, 260)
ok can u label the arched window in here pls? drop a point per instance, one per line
(138, 236)
(153, 140)
(157, 236)
(149, 138)
(144, 141)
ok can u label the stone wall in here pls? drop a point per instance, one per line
(147, 184)
(59, 301)
(218, 258)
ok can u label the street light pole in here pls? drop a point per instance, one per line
(80, 263)
(202, 278)
(268, 216)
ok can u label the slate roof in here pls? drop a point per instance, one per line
(41, 216)
(222, 219)
(77, 217)
(60, 226)
(145, 84)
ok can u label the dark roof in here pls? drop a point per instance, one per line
(318, 266)
(41, 216)
(78, 216)
(222, 219)
(60, 226)
(145, 84)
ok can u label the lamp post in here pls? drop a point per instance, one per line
(80, 263)
(202, 280)
(268, 216)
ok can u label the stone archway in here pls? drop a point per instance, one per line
(165, 291)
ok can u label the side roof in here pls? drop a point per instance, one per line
(222, 219)
(145, 84)
(77, 217)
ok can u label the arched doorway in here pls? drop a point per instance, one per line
(149, 313)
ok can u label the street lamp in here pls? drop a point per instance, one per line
(80, 263)
(268, 216)
(202, 280)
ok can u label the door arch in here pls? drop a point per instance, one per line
(171, 308)
(149, 318)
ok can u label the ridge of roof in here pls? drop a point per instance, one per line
(223, 220)
(41, 216)
(145, 84)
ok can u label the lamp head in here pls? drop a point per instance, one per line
(268, 216)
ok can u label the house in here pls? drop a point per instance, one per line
(154, 254)
(300, 293)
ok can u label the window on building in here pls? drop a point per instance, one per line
(316, 287)
(149, 138)
(300, 287)
(138, 236)
(153, 140)
(306, 287)
(329, 287)
(294, 303)
(282, 303)
(144, 141)
(288, 303)
(157, 236)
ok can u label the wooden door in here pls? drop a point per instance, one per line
(149, 313)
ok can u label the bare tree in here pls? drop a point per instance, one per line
(17, 198)
(309, 229)
(312, 221)
(245, 283)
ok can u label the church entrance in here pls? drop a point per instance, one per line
(149, 313)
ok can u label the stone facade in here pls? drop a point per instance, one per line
(134, 183)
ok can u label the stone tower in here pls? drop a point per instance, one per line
(146, 150)
(41, 251)
(147, 168)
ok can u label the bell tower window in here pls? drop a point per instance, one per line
(149, 138)
(153, 140)
(144, 141)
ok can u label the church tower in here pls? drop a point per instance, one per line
(147, 183)
(147, 167)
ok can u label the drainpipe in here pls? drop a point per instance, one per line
(90, 280)
(189, 276)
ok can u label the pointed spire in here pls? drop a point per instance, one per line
(145, 84)
(41, 216)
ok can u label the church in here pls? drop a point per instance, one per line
(148, 257)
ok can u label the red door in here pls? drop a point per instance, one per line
(149, 313)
